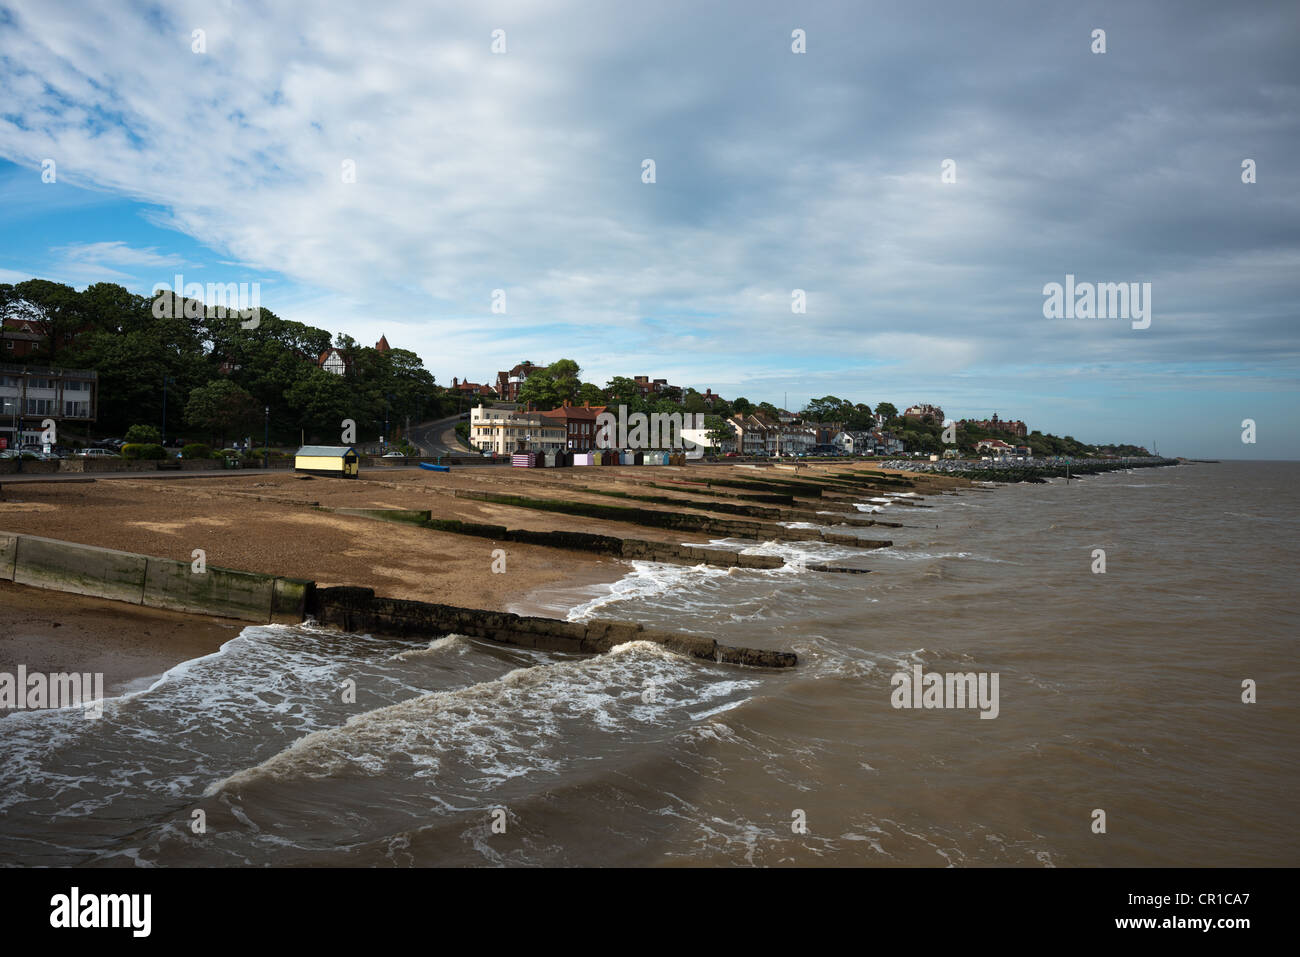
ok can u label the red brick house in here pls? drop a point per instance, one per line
(579, 422)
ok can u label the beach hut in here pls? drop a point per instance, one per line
(581, 458)
(523, 460)
(340, 461)
(548, 460)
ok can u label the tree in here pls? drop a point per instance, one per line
(741, 406)
(56, 307)
(858, 418)
(552, 386)
(321, 401)
(590, 392)
(828, 408)
(143, 435)
(886, 410)
(621, 390)
(222, 408)
(693, 402)
(719, 433)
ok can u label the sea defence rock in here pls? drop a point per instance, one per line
(359, 609)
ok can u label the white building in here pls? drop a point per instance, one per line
(31, 394)
(506, 429)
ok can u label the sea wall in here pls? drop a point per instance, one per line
(152, 581)
(249, 596)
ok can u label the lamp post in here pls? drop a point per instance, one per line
(266, 441)
(18, 424)
(166, 379)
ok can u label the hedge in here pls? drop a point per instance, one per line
(149, 451)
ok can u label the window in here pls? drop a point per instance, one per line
(40, 406)
(76, 410)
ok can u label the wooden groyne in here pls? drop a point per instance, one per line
(628, 549)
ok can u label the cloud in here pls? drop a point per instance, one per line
(775, 171)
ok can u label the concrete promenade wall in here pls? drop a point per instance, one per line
(151, 581)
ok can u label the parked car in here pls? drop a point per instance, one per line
(97, 453)
(40, 453)
(392, 455)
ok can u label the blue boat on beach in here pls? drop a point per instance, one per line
(435, 468)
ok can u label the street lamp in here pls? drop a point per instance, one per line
(18, 423)
(166, 379)
(266, 441)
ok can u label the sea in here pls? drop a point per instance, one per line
(1141, 625)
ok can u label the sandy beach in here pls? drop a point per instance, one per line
(280, 524)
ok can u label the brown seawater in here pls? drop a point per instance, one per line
(1119, 691)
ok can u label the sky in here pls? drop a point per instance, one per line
(222, 156)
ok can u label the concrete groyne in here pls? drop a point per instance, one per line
(151, 581)
(359, 609)
(255, 597)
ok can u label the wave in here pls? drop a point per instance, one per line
(474, 739)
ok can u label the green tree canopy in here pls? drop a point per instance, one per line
(222, 408)
(552, 386)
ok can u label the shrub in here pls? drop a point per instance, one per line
(145, 451)
(143, 434)
(196, 450)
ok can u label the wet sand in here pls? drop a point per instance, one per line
(130, 645)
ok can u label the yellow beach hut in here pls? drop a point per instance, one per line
(340, 461)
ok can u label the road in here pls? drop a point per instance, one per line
(438, 437)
